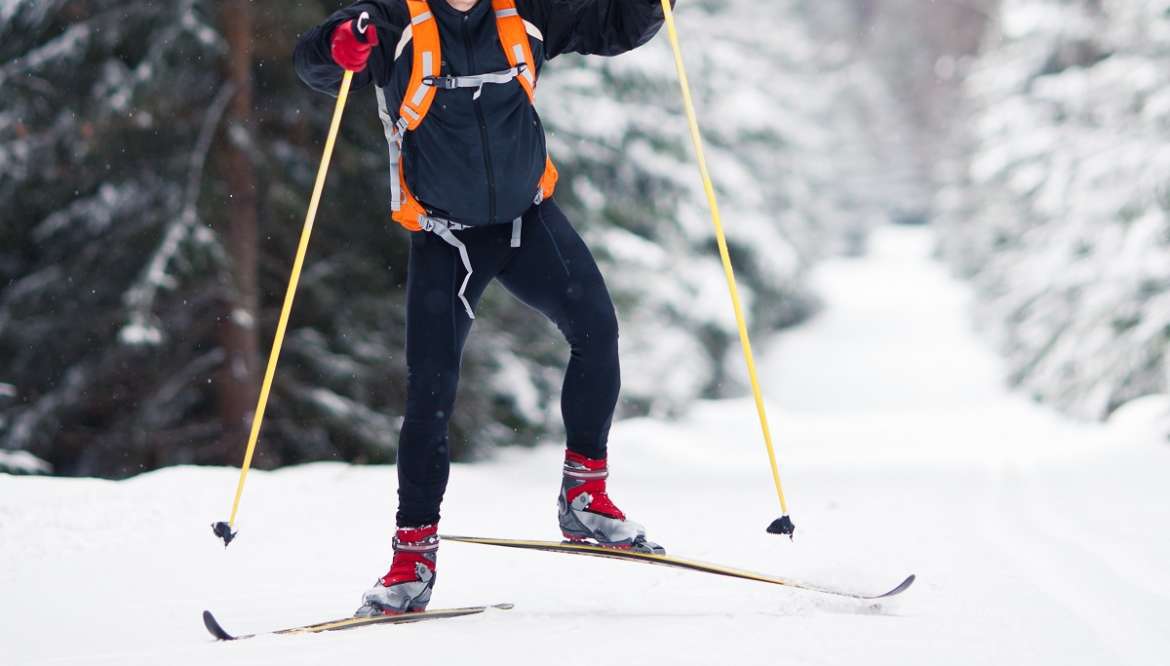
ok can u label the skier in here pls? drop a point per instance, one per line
(472, 180)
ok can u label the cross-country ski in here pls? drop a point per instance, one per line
(215, 629)
(628, 555)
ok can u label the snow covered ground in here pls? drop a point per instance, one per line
(1036, 540)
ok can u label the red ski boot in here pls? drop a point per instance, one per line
(406, 588)
(587, 514)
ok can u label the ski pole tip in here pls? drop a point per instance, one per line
(782, 525)
(224, 531)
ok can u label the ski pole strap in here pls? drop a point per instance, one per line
(443, 228)
(476, 81)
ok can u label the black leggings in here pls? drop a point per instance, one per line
(553, 272)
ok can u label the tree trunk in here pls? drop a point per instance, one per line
(238, 378)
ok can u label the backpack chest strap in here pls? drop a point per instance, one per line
(477, 81)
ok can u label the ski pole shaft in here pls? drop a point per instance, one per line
(713, 203)
(290, 294)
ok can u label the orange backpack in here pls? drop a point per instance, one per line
(425, 80)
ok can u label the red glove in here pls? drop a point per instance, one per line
(352, 42)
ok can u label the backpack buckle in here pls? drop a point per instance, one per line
(441, 82)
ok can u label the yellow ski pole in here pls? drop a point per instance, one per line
(223, 530)
(783, 524)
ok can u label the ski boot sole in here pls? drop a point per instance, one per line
(639, 546)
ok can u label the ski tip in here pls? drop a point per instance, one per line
(502, 606)
(212, 625)
(902, 587)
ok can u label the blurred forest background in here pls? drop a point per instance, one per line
(156, 159)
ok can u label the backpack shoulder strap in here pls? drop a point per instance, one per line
(427, 56)
(514, 39)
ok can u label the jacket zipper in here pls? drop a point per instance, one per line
(483, 133)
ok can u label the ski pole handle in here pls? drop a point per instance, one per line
(362, 24)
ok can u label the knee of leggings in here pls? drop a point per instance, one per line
(432, 399)
(595, 331)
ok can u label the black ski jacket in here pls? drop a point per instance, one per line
(480, 161)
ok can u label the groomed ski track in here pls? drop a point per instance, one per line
(1036, 540)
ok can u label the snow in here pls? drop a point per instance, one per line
(139, 333)
(8, 8)
(1036, 539)
(22, 462)
(68, 46)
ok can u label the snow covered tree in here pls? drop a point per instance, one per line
(1058, 206)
